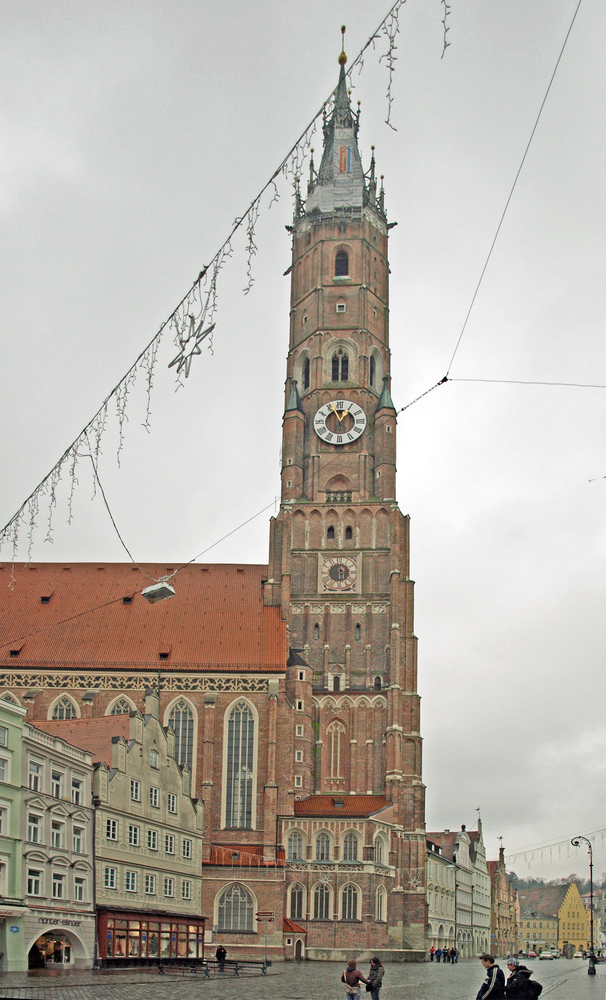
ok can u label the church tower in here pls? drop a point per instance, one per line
(339, 547)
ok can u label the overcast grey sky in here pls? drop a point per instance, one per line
(131, 138)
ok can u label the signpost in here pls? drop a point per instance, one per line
(266, 917)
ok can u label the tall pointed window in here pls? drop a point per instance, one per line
(295, 847)
(321, 902)
(335, 731)
(181, 719)
(349, 903)
(380, 908)
(306, 373)
(322, 847)
(236, 909)
(296, 902)
(340, 366)
(350, 847)
(121, 707)
(341, 264)
(316, 631)
(240, 760)
(65, 709)
(373, 370)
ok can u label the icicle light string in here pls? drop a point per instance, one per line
(445, 26)
(513, 187)
(199, 301)
(530, 852)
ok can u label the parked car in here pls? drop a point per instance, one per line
(531, 954)
(555, 953)
(578, 954)
(545, 956)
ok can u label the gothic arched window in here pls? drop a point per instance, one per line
(236, 909)
(380, 909)
(348, 533)
(321, 902)
(240, 761)
(336, 683)
(306, 373)
(373, 370)
(335, 731)
(340, 366)
(322, 847)
(121, 707)
(181, 719)
(316, 631)
(295, 847)
(330, 533)
(341, 264)
(350, 847)
(349, 900)
(296, 902)
(378, 851)
(65, 709)
(377, 683)
(358, 632)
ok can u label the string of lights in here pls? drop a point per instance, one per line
(549, 847)
(192, 320)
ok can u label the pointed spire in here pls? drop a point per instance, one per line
(385, 399)
(312, 173)
(294, 400)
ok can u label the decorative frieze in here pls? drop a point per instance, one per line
(135, 682)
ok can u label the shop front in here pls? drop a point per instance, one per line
(12, 943)
(59, 940)
(142, 938)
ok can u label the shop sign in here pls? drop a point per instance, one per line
(54, 920)
(14, 929)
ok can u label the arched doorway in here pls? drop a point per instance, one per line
(57, 949)
(298, 950)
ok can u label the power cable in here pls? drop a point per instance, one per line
(513, 187)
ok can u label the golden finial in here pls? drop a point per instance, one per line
(342, 57)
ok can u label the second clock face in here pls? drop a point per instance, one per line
(340, 421)
(339, 573)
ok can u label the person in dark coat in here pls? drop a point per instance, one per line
(516, 986)
(220, 955)
(493, 987)
(453, 955)
(438, 954)
(375, 977)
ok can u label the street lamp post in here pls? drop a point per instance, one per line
(576, 842)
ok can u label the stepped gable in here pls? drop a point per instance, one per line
(93, 615)
(93, 735)
(543, 900)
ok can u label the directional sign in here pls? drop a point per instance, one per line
(264, 920)
(263, 914)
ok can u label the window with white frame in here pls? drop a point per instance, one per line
(181, 720)
(34, 882)
(135, 790)
(172, 803)
(322, 847)
(5, 769)
(130, 881)
(186, 848)
(240, 766)
(58, 885)
(150, 885)
(35, 776)
(298, 756)
(298, 781)
(109, 877)
(321, 901)
(4, 826)
(111, 829)
(152, 840)
(3, 736)
(57, 784)
(79, 889)
(169, 886)
(64, 709)
(78, 839)
(380, 908)
(335, 731)
(154, 759)
(294, 847)
(296, 901)
(299, 730)
(77, 791)
(134, 835)
(236, 909)
(185, 888)
(34, 828)
(300, 705)
(154, 797)
(57, 833)
(169, 843)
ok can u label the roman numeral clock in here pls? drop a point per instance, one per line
(339, 422)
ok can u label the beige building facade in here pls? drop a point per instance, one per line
(440, 882)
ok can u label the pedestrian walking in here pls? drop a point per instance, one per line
(438, 954)
(518, 985)
(352, 978)
(432, 952)
(375, 977)
(493, 986)
(453, 955)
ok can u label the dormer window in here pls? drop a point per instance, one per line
(341, 264)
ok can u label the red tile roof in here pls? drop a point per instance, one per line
(545, 900)
(93, 735)
(243, 856)
(291, 927)
(353, 805)
(216, 621)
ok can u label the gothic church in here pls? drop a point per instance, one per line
(291, 687)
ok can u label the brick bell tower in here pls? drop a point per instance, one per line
(339, 547)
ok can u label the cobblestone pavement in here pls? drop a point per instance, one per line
(562, 980)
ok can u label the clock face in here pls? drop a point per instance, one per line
(339, 574)
(340, 421)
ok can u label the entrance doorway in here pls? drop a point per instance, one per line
(51, 950)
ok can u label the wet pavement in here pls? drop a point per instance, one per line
(562, 980)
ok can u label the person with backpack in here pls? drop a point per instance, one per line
(519, 985)
(352, 979)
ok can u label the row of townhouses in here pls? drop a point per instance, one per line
(100, 848)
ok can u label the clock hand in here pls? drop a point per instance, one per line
(343, 415)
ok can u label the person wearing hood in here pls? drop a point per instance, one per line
(516, 987)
